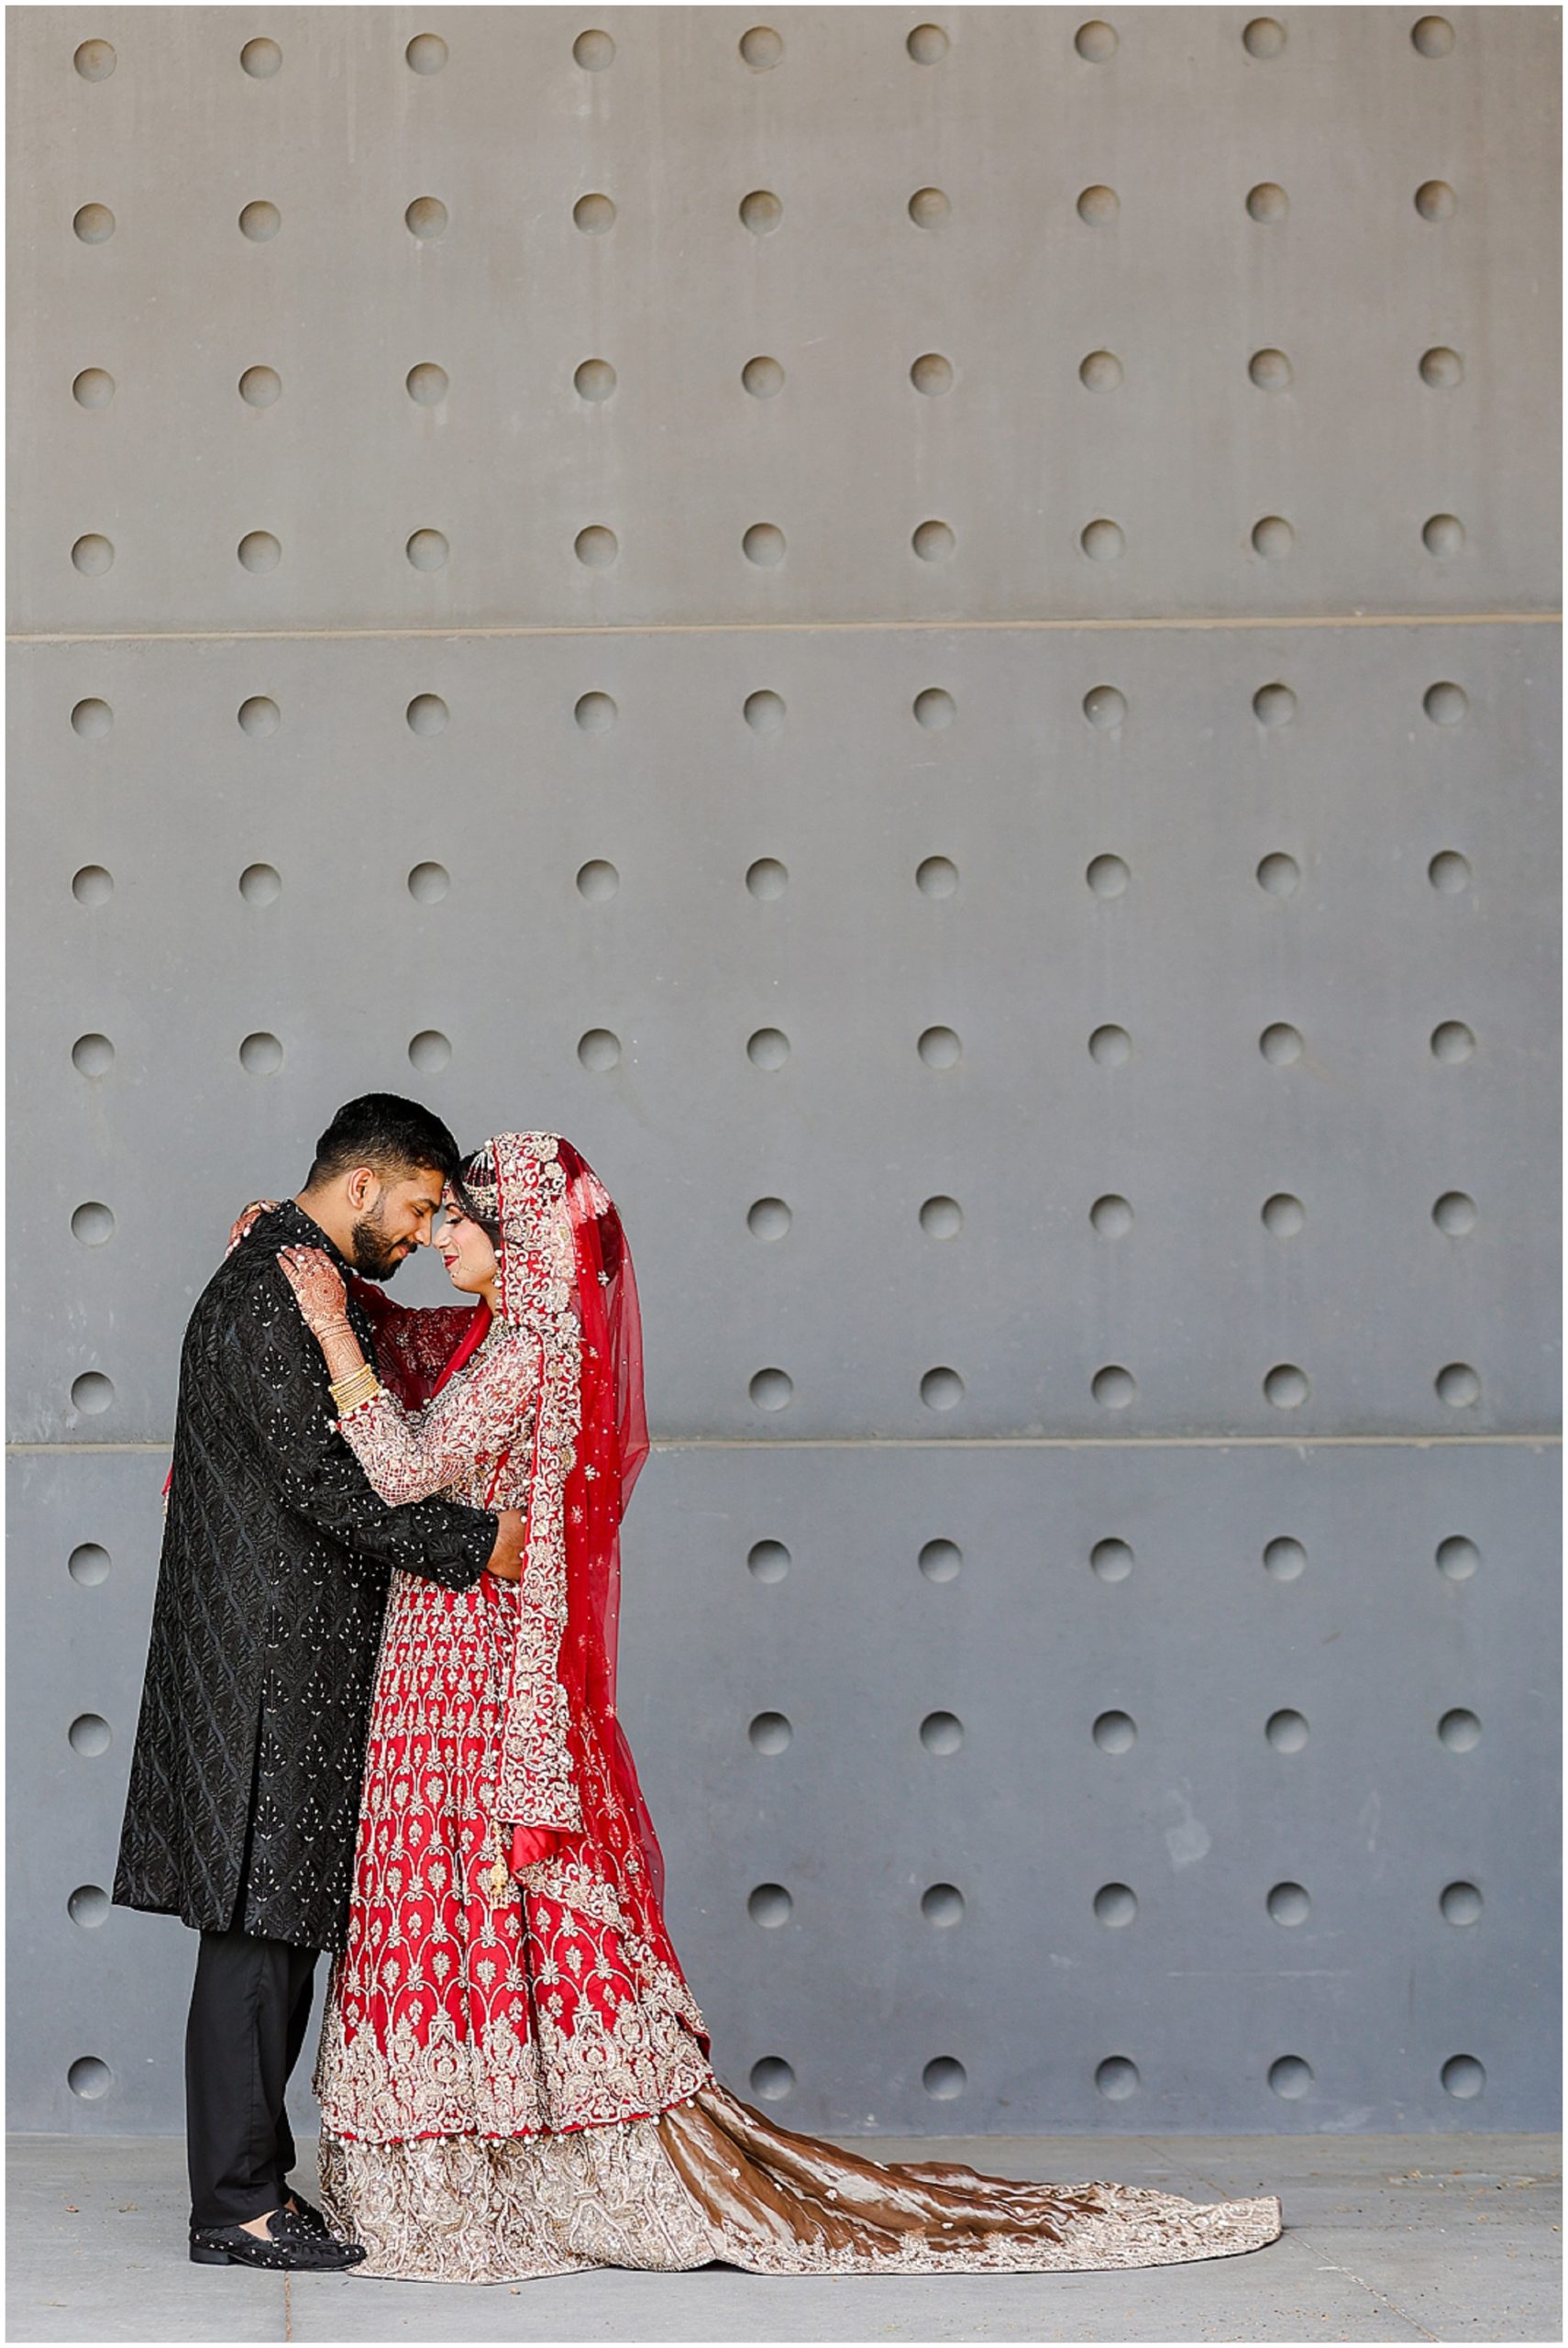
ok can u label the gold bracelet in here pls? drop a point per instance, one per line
(347, 1392)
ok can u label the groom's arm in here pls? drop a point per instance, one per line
(271, 1373)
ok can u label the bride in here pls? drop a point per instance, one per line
(514, 2075)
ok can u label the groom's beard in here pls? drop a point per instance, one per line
(371, 1252)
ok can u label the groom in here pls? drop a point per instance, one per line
(244, 1781)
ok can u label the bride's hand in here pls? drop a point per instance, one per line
(244, 1220)
(318, 1283)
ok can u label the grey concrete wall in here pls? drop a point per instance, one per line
(981, 732)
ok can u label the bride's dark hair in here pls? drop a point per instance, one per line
(477, 1174)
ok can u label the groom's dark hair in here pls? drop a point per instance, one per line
(396, 1136)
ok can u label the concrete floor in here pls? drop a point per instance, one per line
(1385, 2238)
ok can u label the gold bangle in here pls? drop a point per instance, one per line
(349, 1391)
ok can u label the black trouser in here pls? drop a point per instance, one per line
(249, 2009)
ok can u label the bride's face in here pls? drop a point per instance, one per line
(467, 1253)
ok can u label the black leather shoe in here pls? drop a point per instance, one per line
(288, 2248)
(304, 2215)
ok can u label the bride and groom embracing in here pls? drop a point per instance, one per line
(379, 1720)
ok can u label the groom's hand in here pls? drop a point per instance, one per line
(506, 1558)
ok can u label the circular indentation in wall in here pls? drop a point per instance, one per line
(1264, 37)
(927, 44)
(427, 551)
(1111, 1046)
(764, 711)
(1098, 207)
(766, 878)
(91, 1394)
(425, 217)
(941, 1217)
(96, 61)
(597, 880)
(1270, 370)
(1111, 1559)
(1113, 1387)
(89, 2079)
(1286, 1386)
(941, 1389)
(1268, 203)
(941, 1733)
(594, 214)
(769, 1906)
(769, 1733)
(1284, 1558)
(594, 380)
(1111, 1215)
(259, 884)
(595, 51)
(1444, 535)
(1281, 1044)
(93, 1224)
(763, 377)
(768, 1561)
(426, 384)
(1453, 1042)
(929, 207)
(429, 1051)
(771, 2079)
(91, 1054)
(1459, 1730)
(1279, 875)
(940, 1048)
(262, 1055)
(595, 712)
(94, 224)
(944, 2078)
(941, 1905)
(771, 1390)
(1100, 371)
(936, 876)
(88, 1906)
(767, 1048)
(1435, 200)
(93, 555)
(1431, 36)
(1116, 1905)
(260, 222)
(1290, 2076)
(260, 386)
(1463, 2077)
(1105, 706)
(427, 713)
(1102, 540)
(93, 885)
(1457, 1385)
(1457, 1557)
(1460, 1903)
(1117, 2079)
(91, 719)
(764, 545)
(1289, 1904)
(1115, 1732)
(1441, 368)
(262, 58)
(88, 1563)
(934, 708)
(1454, 1213)
(934, 542)
(761, 47)
(767, 1218)
(1107, 876)
(941, 1560)
(599, 1049)
(932, 374)
(426, 53)
(761, 211)
(1273, 704)
(94, 387)
(1095, 40)
(259, 715)
(1273, 537)
(1449, 872)
(1286, 1731)
(428, 883)
(259, 551)
(596, 547)
(89, 1735)
(1446, 703)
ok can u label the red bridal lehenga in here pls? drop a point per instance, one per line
(514, 2075)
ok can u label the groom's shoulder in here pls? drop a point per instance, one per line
(246, 1282)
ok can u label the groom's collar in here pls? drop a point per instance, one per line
(304, 1231)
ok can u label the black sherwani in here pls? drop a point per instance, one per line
(267, 1620)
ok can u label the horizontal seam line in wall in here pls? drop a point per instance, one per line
(777, 627)
(962, 1443)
